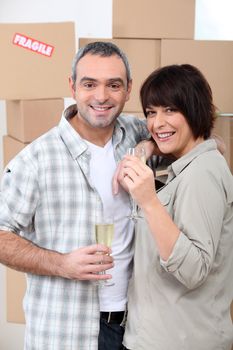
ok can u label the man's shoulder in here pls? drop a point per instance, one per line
(49, 137)
(130, 119)
(31, 152)
(132, 128)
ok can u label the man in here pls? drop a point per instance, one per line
(53, 193)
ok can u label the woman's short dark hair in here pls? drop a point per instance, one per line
(184, 88)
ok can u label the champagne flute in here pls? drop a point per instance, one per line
(104, 233)
(141, 154)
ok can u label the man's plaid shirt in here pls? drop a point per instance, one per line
(48, 198)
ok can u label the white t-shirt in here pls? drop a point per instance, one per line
(102, 168)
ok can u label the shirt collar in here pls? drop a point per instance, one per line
(178, 166)
(74, 142)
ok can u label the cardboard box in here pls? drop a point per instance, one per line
(11, 147)
(213, 58)
(36, 60)
(224, 128)
(153, 19)
(143, 56)
(16, 287)
(28, 119)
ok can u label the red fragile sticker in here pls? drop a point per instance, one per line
(33, 45)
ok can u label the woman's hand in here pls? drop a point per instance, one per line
(138, 179)
(150, 148)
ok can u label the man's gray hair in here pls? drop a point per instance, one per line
(100, 48)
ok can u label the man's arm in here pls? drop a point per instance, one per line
(82, 264)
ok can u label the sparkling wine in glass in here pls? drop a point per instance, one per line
(104, 233)
(141, 154)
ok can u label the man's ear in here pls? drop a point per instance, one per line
(72, 87)
(129, 88)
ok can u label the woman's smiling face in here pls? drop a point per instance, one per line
(170, 130)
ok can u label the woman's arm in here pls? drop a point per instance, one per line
(139, 179)
(187, 245)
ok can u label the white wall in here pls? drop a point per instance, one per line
(93, 18)
(214, 20)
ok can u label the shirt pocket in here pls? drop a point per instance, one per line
(165, 198)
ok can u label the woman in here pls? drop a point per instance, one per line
(182, 285)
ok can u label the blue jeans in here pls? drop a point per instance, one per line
(110, 336)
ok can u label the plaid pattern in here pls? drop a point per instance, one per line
(48, 198)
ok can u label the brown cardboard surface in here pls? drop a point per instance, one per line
(213, 58)
(153, 19)
(231, 154)
(28, 74)
(16, 286)
(11, 147)
(28, 119)
(224, 128)
(143, 56)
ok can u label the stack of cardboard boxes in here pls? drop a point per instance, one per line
(35, 66)
(36, 60)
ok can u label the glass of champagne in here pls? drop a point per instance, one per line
(141, 154)
(104, 232)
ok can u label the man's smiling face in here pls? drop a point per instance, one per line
(101, 89)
